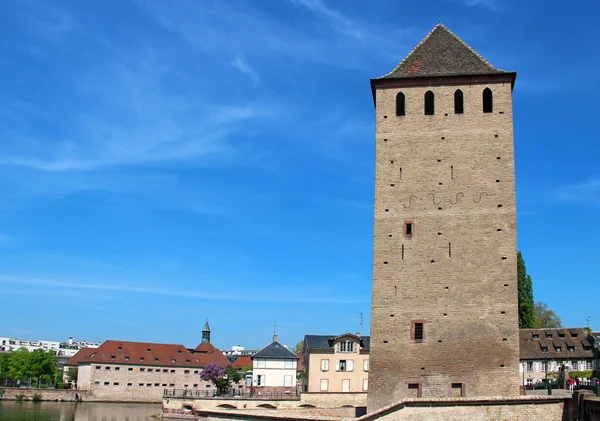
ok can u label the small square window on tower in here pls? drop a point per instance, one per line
(409, 229)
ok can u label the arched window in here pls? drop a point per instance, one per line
(488, 101)
(400, 104)
(429, 107)
(459, 106)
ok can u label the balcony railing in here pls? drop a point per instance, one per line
(234, 394)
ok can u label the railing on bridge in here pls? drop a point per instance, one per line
(234, 394)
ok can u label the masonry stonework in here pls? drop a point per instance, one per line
(452, 177)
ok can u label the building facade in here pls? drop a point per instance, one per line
(337, 364)
(141, 371)
(444, 258)
(544, 351)
(274, 369)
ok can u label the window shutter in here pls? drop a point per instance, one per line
(337, 365)
(366, 365)
(350, 365)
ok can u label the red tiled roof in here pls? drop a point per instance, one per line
(204, 347)
(242, 362)
(82, 355)
(145, 353)
(207, 353)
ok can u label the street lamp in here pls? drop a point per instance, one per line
(547, 380)
(597, 370)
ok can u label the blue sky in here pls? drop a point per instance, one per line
(163, 162)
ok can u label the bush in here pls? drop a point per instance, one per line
(36, 397)
(20, 397)
(1, 393)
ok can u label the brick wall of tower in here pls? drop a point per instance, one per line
(457, 169)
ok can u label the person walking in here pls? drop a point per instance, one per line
(571, 383)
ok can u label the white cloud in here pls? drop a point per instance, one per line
(243, 66)
(491, 4)
(270, 295)
(587, 192)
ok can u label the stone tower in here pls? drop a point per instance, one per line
(206, 333)
(444, 317)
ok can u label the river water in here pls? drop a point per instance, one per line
(83, 411)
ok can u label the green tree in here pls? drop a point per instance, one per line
(232, 374)
(19, 365)
(247, 368)
(71, 374)
(298, 347)
(525, 288)
(42, 366)
(545, 318)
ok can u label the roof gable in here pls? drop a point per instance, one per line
(441, 53)
(275, 350)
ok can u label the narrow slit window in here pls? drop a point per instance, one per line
(400, 172)
(458, 102)
(450, 250)
(429, 103)
(488, 101)
(451, 172)
(402, 251)
(408, 229)
(400, 104)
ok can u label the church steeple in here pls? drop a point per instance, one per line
(206, 333)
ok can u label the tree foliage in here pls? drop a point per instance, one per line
(525, 288)
(221, 378)
(22, 366)
(298, 347)
(545, 318)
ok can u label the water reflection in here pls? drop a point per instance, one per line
(69, 411)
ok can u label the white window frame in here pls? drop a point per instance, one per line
(366, 365)
(345, 381)
(365, 385)
(324, 385)
(349, 365)
(261, 363)
(287, 381)
(324, 365)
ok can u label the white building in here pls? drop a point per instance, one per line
(65, 349)
(274, 369)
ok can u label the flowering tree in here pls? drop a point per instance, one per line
(215, 374)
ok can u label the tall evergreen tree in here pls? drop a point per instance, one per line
(526, 304)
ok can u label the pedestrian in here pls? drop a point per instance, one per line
(571, 383)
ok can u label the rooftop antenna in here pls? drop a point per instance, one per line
(275, 327)
(439, 21)
(587, 320)
(361, 322)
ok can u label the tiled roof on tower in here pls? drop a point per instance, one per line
(441, 53)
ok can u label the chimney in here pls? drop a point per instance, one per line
(274, 338)
(358, 334)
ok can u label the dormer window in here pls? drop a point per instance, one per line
(141, 358)
(346, 346)
(172, 360)
(571, 348)
(544, 349)
(548, 335)
(558, 348)
(535, 335)
(148, 349)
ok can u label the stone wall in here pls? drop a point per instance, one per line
(138, 383)
(462, 409)
(451, 176)
(47, 394)
(333, 400)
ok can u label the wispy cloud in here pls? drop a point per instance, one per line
(335, 19)
(265, 296)
(491, 4)
(243, 66)
(587, 192)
